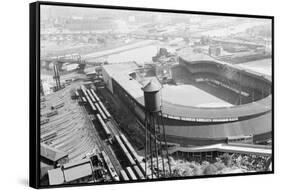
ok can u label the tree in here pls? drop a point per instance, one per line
(187, 172)
(210, 170)
(219, 165)
(226, 159)
(197, 170)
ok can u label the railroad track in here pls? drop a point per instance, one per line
(97, 139)
(102, 145)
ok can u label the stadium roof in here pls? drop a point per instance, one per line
(192, 57)
(120, 73)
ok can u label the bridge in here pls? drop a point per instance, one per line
(90, 57)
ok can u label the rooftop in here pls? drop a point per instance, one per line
(193, 57)
(56, 176)
(51, 153)
(77, 170)
(70, 172)
(120, 73)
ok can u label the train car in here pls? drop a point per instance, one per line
(83, 89)
(52, 113)
(44, 121)
(101, 112)
(95, 95)
(131, 174)
(130, 148)
(57, 106)
(133, 153)
(105, 110)
(124, 176)
(110, 167)
(82, 94)
(84, 100)
(93, 107)
(91, 96)
(104, 126)
(48, 136)
(76, 94)
(128, 155)
(138, 172)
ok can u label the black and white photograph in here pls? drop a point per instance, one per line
(139, 95)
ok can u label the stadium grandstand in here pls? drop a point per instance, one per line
(243, 113)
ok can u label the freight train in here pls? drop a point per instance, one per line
(135, 169)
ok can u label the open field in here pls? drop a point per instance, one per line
(188, 95)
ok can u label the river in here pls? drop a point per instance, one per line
(140, 55)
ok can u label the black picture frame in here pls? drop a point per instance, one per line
(34, 91)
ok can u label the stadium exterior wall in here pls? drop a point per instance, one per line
(196, 132)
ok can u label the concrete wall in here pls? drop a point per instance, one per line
(107, 80)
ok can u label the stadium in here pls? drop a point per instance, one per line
(207, 102)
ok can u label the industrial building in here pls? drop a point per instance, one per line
(74, 172)
(52, 156)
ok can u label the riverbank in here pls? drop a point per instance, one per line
(110, 51)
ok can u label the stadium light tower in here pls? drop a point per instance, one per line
(153, 124)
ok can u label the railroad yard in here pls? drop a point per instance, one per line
(76, 122)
